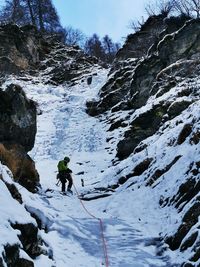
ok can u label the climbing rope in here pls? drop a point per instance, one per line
(105, 250)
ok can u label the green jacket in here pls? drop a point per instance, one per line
(62, 166)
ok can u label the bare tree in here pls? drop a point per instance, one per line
(31, 12)
(163, 7)
(13, 12)
(110, 48)
(93, 47)
(136, 25)
(40, 13)
(74, 36)
(190, 8)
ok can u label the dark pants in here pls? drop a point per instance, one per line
(64, 177)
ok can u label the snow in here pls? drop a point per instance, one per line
(132, 216)
(11, 212)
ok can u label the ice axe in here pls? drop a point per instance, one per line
(58, 182)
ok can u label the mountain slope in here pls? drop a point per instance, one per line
(71, 236)
(139, 158)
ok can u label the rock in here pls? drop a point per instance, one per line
(173, 55)
(158, 173)
(13, 259)
(195, 138)
(186, 192)
(138, 44)
(189, 220)
(19, 48)
(29, 238)
(176, 46)
(185, 132)
(196, 255)
(11, 254)
(188, 264)
(89, 80)
(177, 107)
(17, 136)
(67, 64)
(114, 91)
(137, 171)
(21, 165)
(24, 263)
(17, 117)
(189, 241)
(14, 192)
(142, 127)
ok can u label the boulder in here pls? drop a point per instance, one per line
(29, 238)
(13, 259)
(17, 135)
(21, 165)
(17, 117)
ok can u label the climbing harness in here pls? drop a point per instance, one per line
(105, 250)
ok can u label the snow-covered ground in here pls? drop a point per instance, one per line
(132, 219)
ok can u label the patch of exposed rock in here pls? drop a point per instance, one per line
(17, 135)
(17, 117)
(176, 56)
(21, 48)
(67, 64)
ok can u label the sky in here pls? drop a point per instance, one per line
(103, 17)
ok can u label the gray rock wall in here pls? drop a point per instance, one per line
(17, 117)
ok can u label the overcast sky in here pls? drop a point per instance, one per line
(110, 17)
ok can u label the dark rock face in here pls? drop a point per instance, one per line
(14, 192)
(142, 127)
(67, 64)
(21, 165)
(29, 239)
(186, 238)
(19, 48)
(189, 220)
(175, 55)
(12, 257)
(186, 131)
(17, 117)
(137, 171)
(157, 174)
(17, 135)
(138, 44)
(149, 96)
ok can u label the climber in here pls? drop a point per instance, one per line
(65, 174)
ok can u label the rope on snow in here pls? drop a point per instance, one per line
(105, 250)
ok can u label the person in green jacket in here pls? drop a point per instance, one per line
(65, 174)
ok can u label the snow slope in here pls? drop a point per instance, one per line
(132, 220)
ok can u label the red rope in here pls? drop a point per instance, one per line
(105, 250)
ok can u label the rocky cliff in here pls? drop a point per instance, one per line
(150, 104)
(152, 98)
(26, 55)
(24, 51)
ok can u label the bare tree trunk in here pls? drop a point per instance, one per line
(196, 7)
(40, 14)
(31, 12)
(14, 11)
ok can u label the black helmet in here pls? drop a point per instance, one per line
(67, 159)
